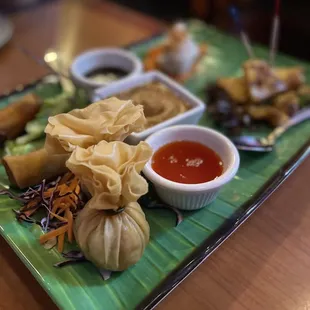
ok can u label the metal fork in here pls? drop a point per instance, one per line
(266, 144)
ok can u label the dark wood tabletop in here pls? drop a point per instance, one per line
(265, 265)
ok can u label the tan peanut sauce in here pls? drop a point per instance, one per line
(159, 102)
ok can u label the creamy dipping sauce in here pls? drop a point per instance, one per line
(187, 162)
(106, 75)
(159, 102)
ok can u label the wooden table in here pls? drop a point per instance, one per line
(70, 26)
(265, 265)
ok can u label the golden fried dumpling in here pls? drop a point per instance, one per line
(112, 241)
(110, 172)
(111, 230)
(110, 120)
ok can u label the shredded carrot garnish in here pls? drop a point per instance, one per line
(31, 207)
(60, 218)
(54, 210)
(53, 233)
(31, 203)
(63, 190)
(66, 178)
(69, 218)
(61, 201)
(73, 185)
(64, 202)
(60, 241)
(77, 189)
(30, 212)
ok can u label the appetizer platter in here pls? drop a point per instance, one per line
(80, 207)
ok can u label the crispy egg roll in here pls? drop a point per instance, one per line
(30, 169)
(15, 116)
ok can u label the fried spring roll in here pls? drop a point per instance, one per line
(16, 115)
(30, 169)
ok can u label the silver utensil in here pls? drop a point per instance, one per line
(266, 144)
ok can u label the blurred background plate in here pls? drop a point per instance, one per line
(6, 30)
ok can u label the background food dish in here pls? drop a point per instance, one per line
(262, 95)
(178, 56)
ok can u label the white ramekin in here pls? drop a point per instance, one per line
(100, 58)
(192, 196)
(192, 116)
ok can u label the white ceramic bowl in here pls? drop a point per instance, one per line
(100, 58)
(191, 116)
(192, 196)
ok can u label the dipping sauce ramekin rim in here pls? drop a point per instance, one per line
(227, 176)
(80, 78)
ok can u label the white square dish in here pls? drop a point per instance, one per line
(190, 117)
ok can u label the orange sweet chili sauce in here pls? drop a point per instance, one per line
(187, 162)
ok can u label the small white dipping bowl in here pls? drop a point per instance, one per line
(103, 58)
(191, 117)
(192, 196)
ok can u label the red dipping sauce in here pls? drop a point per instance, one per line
(187, 162)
